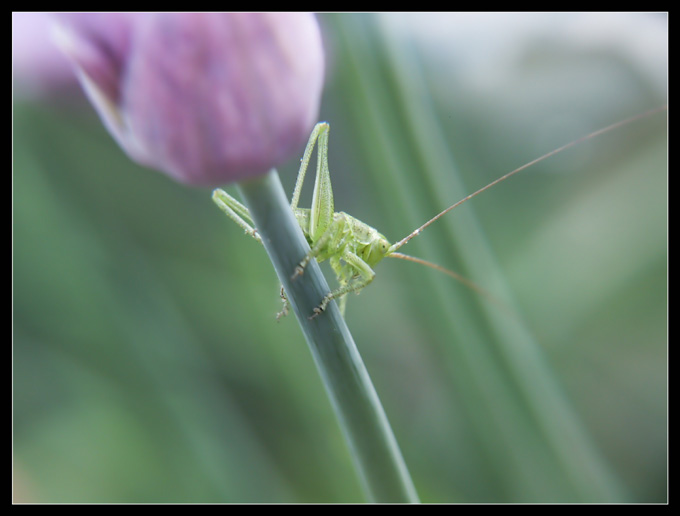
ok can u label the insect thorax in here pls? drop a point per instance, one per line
(346, 232)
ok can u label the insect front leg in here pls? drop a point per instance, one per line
(365, 276)
(344, 272)
(318, 247)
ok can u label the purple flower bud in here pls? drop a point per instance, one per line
(207, 98)
(39, 69)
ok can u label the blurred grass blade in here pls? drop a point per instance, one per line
(525, 422)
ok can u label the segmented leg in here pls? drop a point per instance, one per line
(319, 246)
(240, 214)
(345, 273)
(286, 305)
(304, 162)
(365, 276)
(236, 212)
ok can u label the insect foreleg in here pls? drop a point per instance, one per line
(329, 244)
(344, 272)
(358, 267)
(318, 247)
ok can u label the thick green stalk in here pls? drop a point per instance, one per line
(363, 421)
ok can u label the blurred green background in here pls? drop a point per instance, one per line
(148, 365)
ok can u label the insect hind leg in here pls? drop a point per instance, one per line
(236, 212)
(319, 128)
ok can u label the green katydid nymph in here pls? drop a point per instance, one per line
(353, 247)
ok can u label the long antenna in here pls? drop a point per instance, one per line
(547, 155)
(465, 281)
(454, 275)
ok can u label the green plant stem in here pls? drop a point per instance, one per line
(363, 421)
